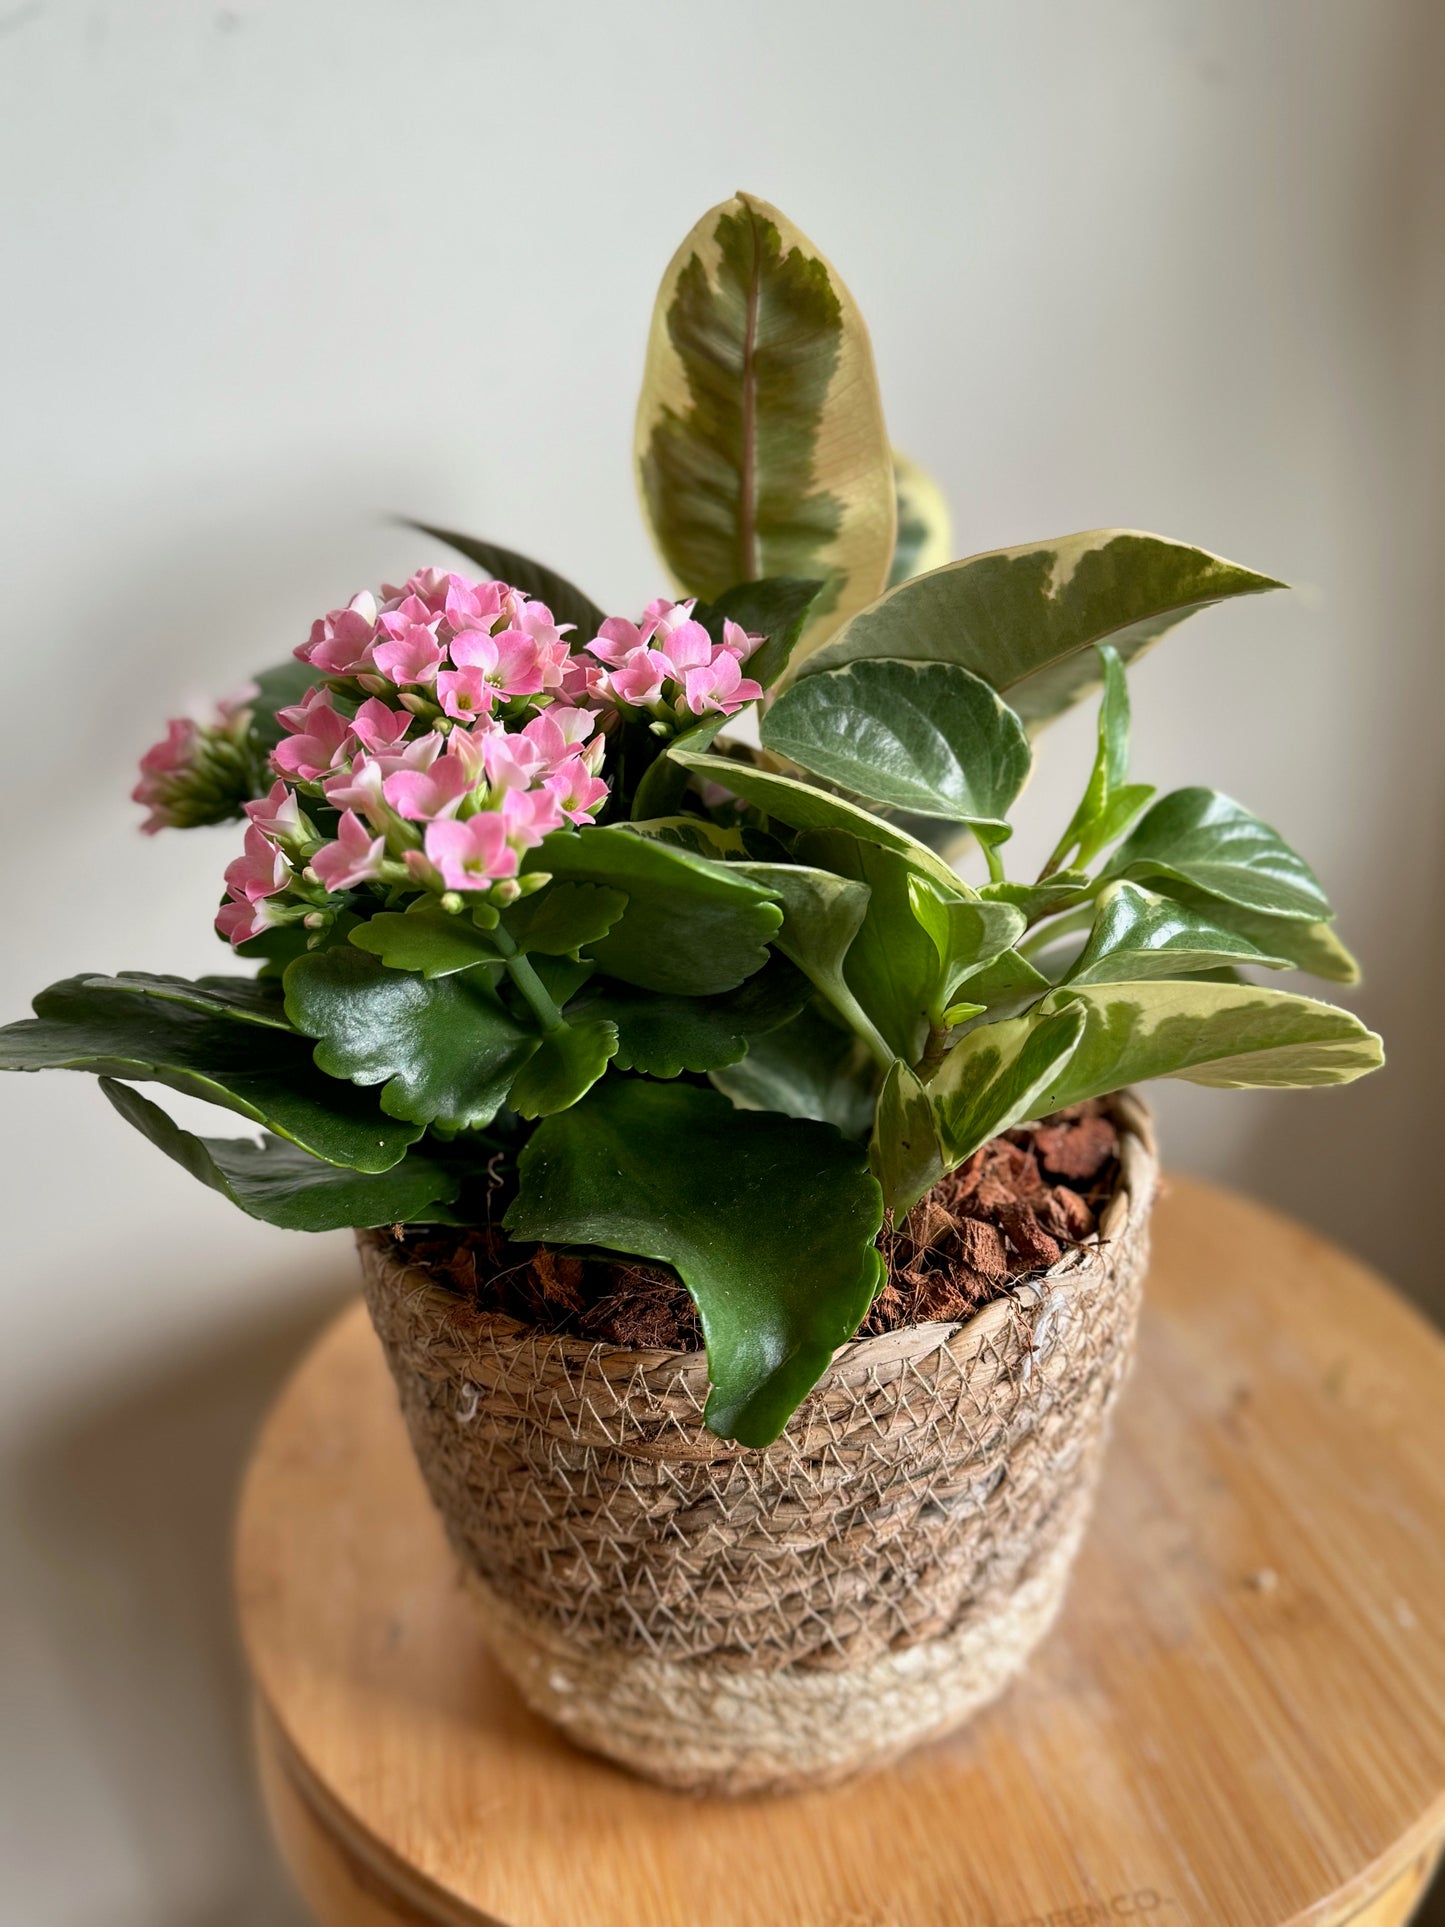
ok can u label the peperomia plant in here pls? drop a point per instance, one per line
(529, 927)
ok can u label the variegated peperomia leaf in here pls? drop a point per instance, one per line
(1137, 936)
(1201, 838)
(803, 806)
(997, 1075)
(925, 527)
(1027, 619)
(1236, 1036)
(761, 449)
(905, 1153)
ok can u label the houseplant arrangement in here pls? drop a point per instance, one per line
(756, 1339)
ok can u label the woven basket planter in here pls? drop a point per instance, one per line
(735, 1621)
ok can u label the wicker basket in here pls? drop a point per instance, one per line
(731, 1620)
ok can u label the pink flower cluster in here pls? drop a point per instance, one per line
(451, 726)
(199, 772)
(668, 663)
(441, 731)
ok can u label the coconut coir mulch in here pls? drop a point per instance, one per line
(1013, 1208)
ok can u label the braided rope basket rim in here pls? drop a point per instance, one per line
(735, 1620)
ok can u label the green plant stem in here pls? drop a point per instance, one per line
(934, 1052)
(528, 982)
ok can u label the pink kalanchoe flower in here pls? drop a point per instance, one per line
(639, 679)
(319, 741)
(411, 653)
(470, 855)
(738, 641)
(163, 770)
(661, 617)
(261, 871)
(528, 815)
(379, 728)
(615, 641)
(584, 681)
(558, 731)
(512, 762)
(465, 693)
(355, 857)
(277, 814)
(719, 685)
(340, 643)
(578, 792)
(422, 794)
(238, 920)
(689, 646)
(472, 605)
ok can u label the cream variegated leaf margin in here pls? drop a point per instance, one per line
(1235, 1036)
(761, 448)
(1026, 619)
(925, 527)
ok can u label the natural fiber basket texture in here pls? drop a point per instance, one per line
(734, 1620)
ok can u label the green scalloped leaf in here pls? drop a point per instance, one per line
(139, 1029)
(283, 1185)
(769, 1221)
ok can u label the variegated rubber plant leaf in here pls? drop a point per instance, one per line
(925, 527)
(1027, 619)
(761, 449)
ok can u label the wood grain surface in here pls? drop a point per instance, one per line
(1240, 1718)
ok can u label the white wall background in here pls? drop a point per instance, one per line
(274, 272)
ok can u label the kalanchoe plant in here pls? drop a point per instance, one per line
(525, 918)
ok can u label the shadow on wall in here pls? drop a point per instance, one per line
(124, 1511)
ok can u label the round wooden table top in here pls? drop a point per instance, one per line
(1239, 1719)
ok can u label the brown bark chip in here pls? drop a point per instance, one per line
(1011, 1209)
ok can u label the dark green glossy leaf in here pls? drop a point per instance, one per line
(563, 598)
(802, 806)
(808, 1068)
(1062, 891)
(692, 927)
(425, 938)
(1209, 841)
(769, 1221)
(1232, 1035)
(822, 913)
(891, 967)
(966, 932)
(137, 1030)
(251, 1000)
(1110, 803)
(1006, 987)
(560, 920)
(925, 527)
(905, 1153)
(665, 1036)
(663, 784)
(761, 449)
(567, 1063)
(776, 609)
(1138, 935)
(446, 1048)
(1027, 619)
(924, 737)
(283, 1185)
(997, 1076)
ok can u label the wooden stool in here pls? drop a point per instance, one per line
(1239, 1719)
